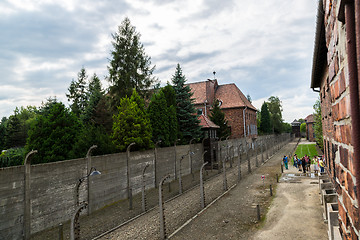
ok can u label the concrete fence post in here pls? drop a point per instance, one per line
(27, 202)
(128, 169)
(89, 166)
(143, 193)
(180, 180)
(256, 153)
(202, 193)
(175, 172)
(248, 158)
(155, 163)
(161, 209)
(262, 151)
(224, 175)
(190, 157)
(239, 162)
(75, 225)
(61, 231)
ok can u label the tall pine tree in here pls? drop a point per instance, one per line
(77, 93)
(188, 123)
(265, 122)
(130, 68)
(218, 117)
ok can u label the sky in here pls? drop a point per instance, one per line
(264, 47)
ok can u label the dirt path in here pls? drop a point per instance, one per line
(234, 216)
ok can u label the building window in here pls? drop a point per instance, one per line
(199, 111)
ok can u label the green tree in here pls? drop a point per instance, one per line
(275, 109)
(3, 133)
(318, 124)
(188, 123)
(130, 68)
(303, 128)
(218, 117)
(265, 122)
(94, 94)
(77, 93)
(53, 133)
(170, 97)
(131, 124)
(158, 112)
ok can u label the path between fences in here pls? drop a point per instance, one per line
(177, 211)
(186, 206)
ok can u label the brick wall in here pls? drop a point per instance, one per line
(235, 119)
(336, 117)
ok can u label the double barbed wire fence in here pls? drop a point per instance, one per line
(235, 155)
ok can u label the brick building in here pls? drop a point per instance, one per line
(233, 104)
(335, 75)
(310, 133)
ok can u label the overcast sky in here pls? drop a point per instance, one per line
(264, 47)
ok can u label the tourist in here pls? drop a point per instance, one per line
(322, 165)
(300, 164)
(295, 161)
(316, 164)
(307, 163)
(285, 160)
(303, 163)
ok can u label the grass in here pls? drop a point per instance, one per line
(306, 149)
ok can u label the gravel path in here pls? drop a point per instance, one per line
(184, 207)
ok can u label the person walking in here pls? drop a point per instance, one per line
(303, 163)
(307, 163)
(285, 160)
(300, 164)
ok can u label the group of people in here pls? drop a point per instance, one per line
(304, 163)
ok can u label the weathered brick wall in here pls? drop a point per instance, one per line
(336, 117)
(236, 120)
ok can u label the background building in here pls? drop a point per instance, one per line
(239, 112)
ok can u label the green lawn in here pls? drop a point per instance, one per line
(308, 149)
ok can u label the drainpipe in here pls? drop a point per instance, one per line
(244, 122)
(354, 82)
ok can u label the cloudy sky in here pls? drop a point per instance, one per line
(264, 47)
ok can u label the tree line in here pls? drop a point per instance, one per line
(133, 109)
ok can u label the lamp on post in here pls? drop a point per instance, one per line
(92, 172)
(89, 166)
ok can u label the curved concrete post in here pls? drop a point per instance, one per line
(190, 157)
(262, 151)
(224, 175)
(155, 163)
(239, 162)
(89, 165)
(180, 181)
(75, 225)
(161, 209)
(27, 202)
(128, 169)
(202, 193)
(144, 205)
(175, 172)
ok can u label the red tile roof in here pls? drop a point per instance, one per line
(206, 122)
(310, 118)
(232, 97)
(229, 94)
(199, 92)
